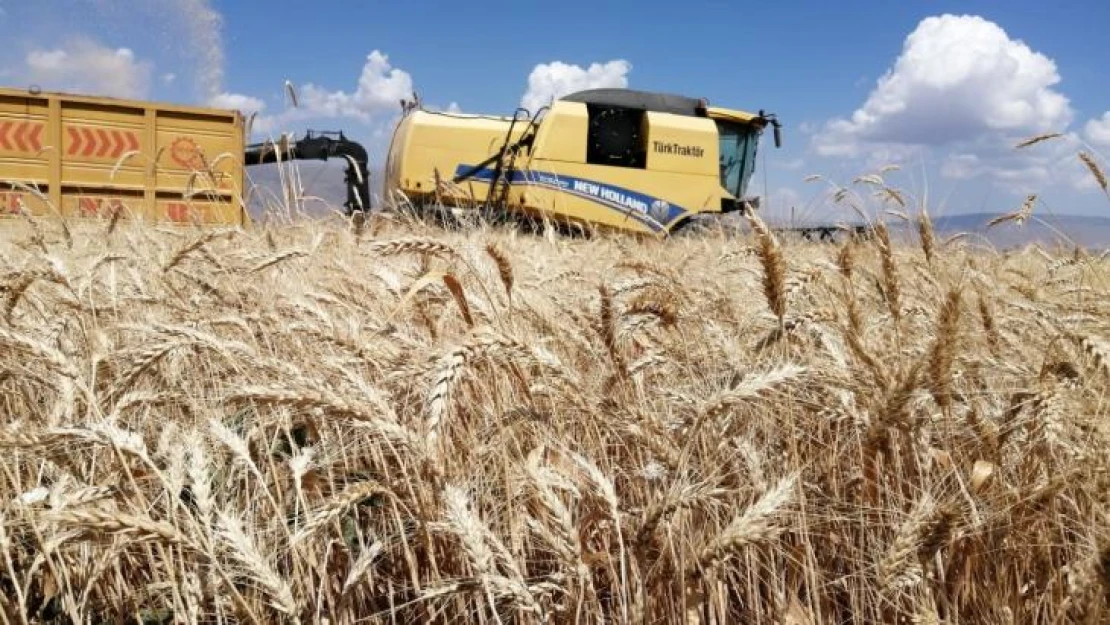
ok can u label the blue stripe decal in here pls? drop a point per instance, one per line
(651, 211)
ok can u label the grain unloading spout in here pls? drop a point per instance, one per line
(321, 146)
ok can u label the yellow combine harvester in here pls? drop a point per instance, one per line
(636, 161)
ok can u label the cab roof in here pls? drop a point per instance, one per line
(657, 102)
(644, 100)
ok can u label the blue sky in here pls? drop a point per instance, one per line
(960, 91)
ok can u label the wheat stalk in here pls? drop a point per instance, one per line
(1096, 171)
(926, 530)
(1020, 216)
(642, 440)
(337, 506)
(928, 237)
(255, 565)
(1038, 139)
(892, 290)
(119, 523)
(504, 267)
(758, 524)
(412, 246)
(774, 267)
(943, 350)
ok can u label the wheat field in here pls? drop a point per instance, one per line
(310, 423)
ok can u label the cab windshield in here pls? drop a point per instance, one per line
(738, 143)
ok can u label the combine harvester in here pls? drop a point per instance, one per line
(641, 162)
(631, 161)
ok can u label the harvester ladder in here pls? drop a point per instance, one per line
(500, 181)
(504, 164)
(500, 191)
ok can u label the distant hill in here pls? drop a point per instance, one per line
(1091, 232)
(321, 182)
(1087, 231)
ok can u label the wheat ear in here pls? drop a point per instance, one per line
(1096, 171)
(944, 349)
(927, 234)
(504, 267)
(891, 287)
(758, 524)
(774, 267)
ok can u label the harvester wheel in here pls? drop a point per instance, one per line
(700, 225)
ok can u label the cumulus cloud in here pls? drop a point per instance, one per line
(85, 66)
(1097, 130)
(957, 78)
(549, 81)
(379, 92)
(380, 88)
(244, 103)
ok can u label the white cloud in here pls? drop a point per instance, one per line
(958, 78)
(549, 81)
(1097, 130)
(237, 101)
(379, 92)
(380, 89)
(85, 66)
(169, 78)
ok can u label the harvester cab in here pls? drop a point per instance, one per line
(622, 159)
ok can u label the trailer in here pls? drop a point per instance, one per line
(96, 157)
(83, 156)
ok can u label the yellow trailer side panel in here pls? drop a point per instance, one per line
(192, 145)
(89, 156)
(103, 205)
(13, 201)
(23, 126)
(96, 138)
